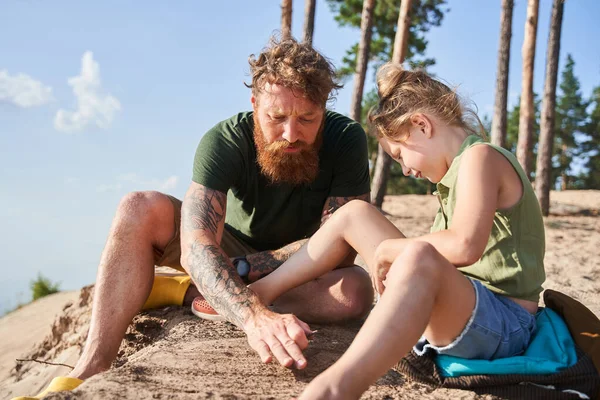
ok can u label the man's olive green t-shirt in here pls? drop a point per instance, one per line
(266, 215)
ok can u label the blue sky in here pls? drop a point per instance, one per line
(101, 98)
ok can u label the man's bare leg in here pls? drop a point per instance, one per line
(340, 295)
(144, 220)
(337, 296)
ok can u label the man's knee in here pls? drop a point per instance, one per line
(151, 212)
(144, 207)
(358, 292)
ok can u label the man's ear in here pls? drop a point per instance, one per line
(423, 123)
(253, 101)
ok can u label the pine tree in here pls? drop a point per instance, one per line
(591, 146)
(384, 162)
(513, 128)
(364, 50)
(286, 19)
(424, 15)
(501, 100)
(525, 142)
(571, 118)
(547, 119)
(309, 20)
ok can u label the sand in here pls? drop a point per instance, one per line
(170, 354)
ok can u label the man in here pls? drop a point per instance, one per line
(263, 181)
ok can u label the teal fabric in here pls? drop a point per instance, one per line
(551, 350)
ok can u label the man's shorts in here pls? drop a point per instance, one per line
(170, 256)
(498, 328)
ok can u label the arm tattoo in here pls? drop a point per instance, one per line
(262, 264)
(333, 203)
(205, 209)
(202, 216)
(219, 282)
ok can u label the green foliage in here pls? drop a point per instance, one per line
(590, 147)
(512, 127)
(571, 118)
(424, 15)
(42, 286)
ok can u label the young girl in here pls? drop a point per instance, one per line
(470, 288)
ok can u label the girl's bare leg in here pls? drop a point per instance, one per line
(357, 226)
(424, 294)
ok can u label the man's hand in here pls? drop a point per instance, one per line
(281, 335)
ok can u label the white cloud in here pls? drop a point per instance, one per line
(93, 107)
(70, 180)
(135, 182)
(109, 188)
(23, 91)
(170, 183)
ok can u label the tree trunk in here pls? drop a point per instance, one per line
(362, 59)
(544, 159)
(286, 19)
(384, 162)
(500, 104)
(309, 20)
(527, 111)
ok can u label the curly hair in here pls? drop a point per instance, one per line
(296, 66)
(404, 93)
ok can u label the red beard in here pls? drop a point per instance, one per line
(279, 166)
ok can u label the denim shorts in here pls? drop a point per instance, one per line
(498, 328)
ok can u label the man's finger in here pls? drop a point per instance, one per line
(305, 327)
(263, 351)
(292, 348)
(279, 351)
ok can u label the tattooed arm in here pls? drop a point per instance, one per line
(262, 264)
(202, 224)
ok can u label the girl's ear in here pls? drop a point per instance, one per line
(423, 123)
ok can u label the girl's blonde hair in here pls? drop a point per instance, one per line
(404, 93)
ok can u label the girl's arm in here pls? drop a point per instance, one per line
(486, 182)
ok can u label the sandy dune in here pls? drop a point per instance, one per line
(29, 325)
(170, 354)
